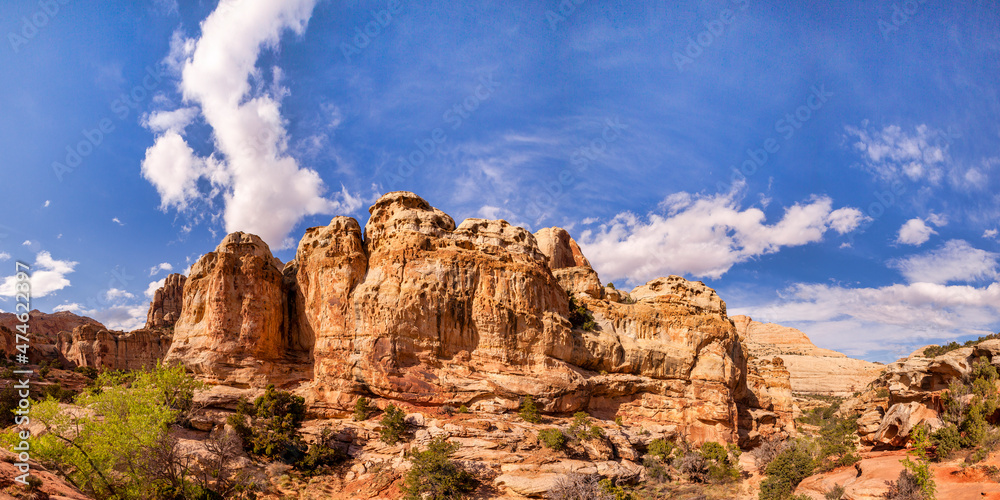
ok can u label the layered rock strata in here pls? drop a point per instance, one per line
(165, 308)
(415, 308)
(812, 370)
(97, 347)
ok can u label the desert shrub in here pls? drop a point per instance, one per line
(882, 392)
(325, 452)
(55, 391)
(835, 493)
(722, 463)
(121, 448)
(619, 421)
(579, 316)
(611, 285)
(87, 371)
(44, 369)
(576, 486)
(836, 444)
(270, 426)
(947, 439)
(934, 351)
(766, 451)
(662, 449)
(393, 425)
(434, 476)
(581, 427)
(528, 411)
(8, 403)
(786, 471)
(552, 438)
(920, 469)
(694, 466)
(362, 409)
(904, 488)
(463, 409)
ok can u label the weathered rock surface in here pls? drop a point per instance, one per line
(909, 393)
(418, 310)
(97, 347)
(47, 325)
(813, 370)
(165, 309)
(233, 328)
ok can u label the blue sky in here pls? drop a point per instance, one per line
(830, 167)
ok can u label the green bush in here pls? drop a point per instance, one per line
(552, 438)
(87, 371)
(722, 466)
(836, 444)
(362, 409)
(786, 471)
(581, 428)
(947, 439)
(393, 425)
(270, 426)
(579, 316)
(920, 468)
(934, 351)
(528, 411)
(434, 476)
(662, 449)
(325, 452)
(463, 409)
(835, 493)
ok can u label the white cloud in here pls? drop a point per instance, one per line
(118, 221)
(265, 190)
(914, 232)
(46, 204)
(153, 287)
(173, 169)
(705, 236)
(939, 220)
(163, 266)
(49, 275)
(26, 243)
(170, 121)
(990, 233)
(117, 294)
(4, 256)
(892, 153)
(122, 317)
(956, 260)
(895, 318)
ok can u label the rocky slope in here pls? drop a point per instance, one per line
(909, 393)
(813, 370)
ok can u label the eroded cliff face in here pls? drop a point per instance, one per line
(233, 327)
(94, 346)
(165, 308)
(415, 308)
(813, 370)
(909, 393)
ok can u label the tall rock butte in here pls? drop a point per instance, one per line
(418, 309)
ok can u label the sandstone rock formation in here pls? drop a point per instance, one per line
(418, 310)
(47, 325)
(165, 309)
(7, 341)
(908, 393)
(94, 346)
(813, 370)
(233, 327)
